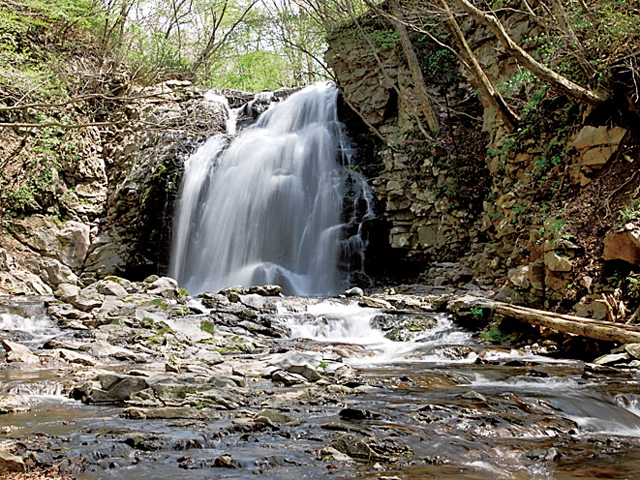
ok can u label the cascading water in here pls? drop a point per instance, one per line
(266, 207)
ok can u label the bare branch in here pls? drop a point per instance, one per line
(540, 70)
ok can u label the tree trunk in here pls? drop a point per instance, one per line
(541, 71)
(508, 116)
(598, 330)
(414, 67)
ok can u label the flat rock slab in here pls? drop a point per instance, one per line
(11, 463)
(19, 353)
(172, 413)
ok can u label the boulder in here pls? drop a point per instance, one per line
(633, 349)
(73, 238)
(295, 358)
(612, 358)
(109, 388)
(19, 353)
(164, 287)
(623, 244)
(287, 378)
(14, 404)
(598, 144)
(355, 447)
(67, 291)
(226, 461)
(52, 271)
(72, 356)
(108, 287)
(267, 290)
(85, 302)
(519, 277)
(11, 463)
(557, 263)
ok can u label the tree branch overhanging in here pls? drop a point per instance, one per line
(537, 68)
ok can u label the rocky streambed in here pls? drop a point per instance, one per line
(124, 380)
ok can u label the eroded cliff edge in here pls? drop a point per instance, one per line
(545, 214)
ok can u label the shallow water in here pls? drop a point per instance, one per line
(448, 407)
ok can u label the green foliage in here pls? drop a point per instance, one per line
(147, 322)
(389, 38)
(160, 304)
(440, 67)
(630, 212)
(497, 336)
(182, 293)
(208, 327)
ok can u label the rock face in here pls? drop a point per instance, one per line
(430, 214)
(623, 244)
(109, 212)
(514, 208)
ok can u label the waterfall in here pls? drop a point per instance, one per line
(265, 207)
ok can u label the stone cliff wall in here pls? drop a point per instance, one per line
(526, 212)
(104, 202)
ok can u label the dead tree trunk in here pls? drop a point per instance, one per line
(534, 66)
(598, 330)
(504, 112)
(414, 67)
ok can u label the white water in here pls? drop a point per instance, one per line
(337, 322)
(266, 207)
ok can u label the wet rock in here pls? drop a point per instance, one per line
(171, 413)
(296, 358)
(77, 357)
(19, 353)
(356, 447)
(11, 463)
(330, 453)
(163, 287)
(474, 396)
(108, 287)
(345, 374)
(309, 373)
(546, 455)
(14, 404)
(226, 461)
(612, 358)
(354, 292)
(233, 293)
(343, 427)
(357, 414)
(266, 290)
(287, 378)
(214, 300)
(277, 418)
(633, 349)
(143, 441)
(109, 388)
(402, 327)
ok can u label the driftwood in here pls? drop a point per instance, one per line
(586, 327)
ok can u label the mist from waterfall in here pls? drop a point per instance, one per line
(265, 207)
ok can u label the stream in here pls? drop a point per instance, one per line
(436, 405)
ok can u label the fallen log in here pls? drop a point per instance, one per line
(573, 318)
(596, 329)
